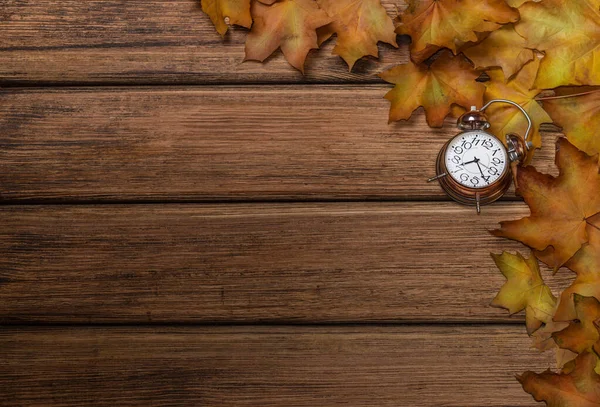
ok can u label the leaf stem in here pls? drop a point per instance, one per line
(567, 96)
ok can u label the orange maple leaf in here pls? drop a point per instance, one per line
(359, 25)
(582, 334)
(586, 265)
(579, 116)
(579, 388)
(287, 24)
(448, 80)
(569, 34)
(451, 23)
(503, 48)
(563, 209)
(236, 11)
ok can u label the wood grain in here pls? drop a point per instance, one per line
(306, 263)
(217, 143)
(257, 366)
(151, 41)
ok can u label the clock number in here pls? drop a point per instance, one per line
(458, 150)
(456, 159)
(474, 180)
(495, 151)
(464, 177)
(496, 160)
(466, 145)
(493, 170)
(487, 144)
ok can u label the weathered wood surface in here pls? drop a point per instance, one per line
(150, 41)
(217, 143)
(309, 263)
(267, 366)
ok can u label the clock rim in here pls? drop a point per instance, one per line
(504, 151)
(467, 195)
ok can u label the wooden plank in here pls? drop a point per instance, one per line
(307, 263)
(267, 366)
(217, 143)
(150, 41)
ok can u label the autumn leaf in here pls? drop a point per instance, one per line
(562, 208)
(506, 119)
(448, 80)
(359, 25)
(578, 388)
(524, 290)
(518, 3)
(504, 49)
(586, 265)
(287, 24)
(236, 11)
(542, 337)
(569, 34)
(436, 24)
(582, 334)
(579, 116)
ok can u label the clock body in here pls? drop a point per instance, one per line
(477, 168)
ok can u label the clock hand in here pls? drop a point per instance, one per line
(470, 162)
(480, 170)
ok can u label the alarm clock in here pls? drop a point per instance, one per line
(475, 167)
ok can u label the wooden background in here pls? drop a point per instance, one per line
(181, 228)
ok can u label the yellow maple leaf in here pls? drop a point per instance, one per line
(578, 388)
(503, 48)
(287, 24)
(582, 334)
(448, 80)
(449, 24)
(586, 265)
(359, 25)
(236, 11)
(524, 290)
(563, 208)
(506, 119)
(569, 33)
(579, 117)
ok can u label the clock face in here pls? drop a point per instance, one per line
(476, 159)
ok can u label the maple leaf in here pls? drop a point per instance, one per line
(569, 34)
(449, 24)
(582, 334)
(586, 264)
(503, 48)
(359, 25)
(579, 117)
(448, 80)
(524, 290)
(562, 208)
(542, 337)
(237, 11)
(287, 24)
(579, 388)
(506, 119)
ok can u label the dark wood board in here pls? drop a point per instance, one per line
(151, 41)
(218, 143)
(413, 366)
(304, 263)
